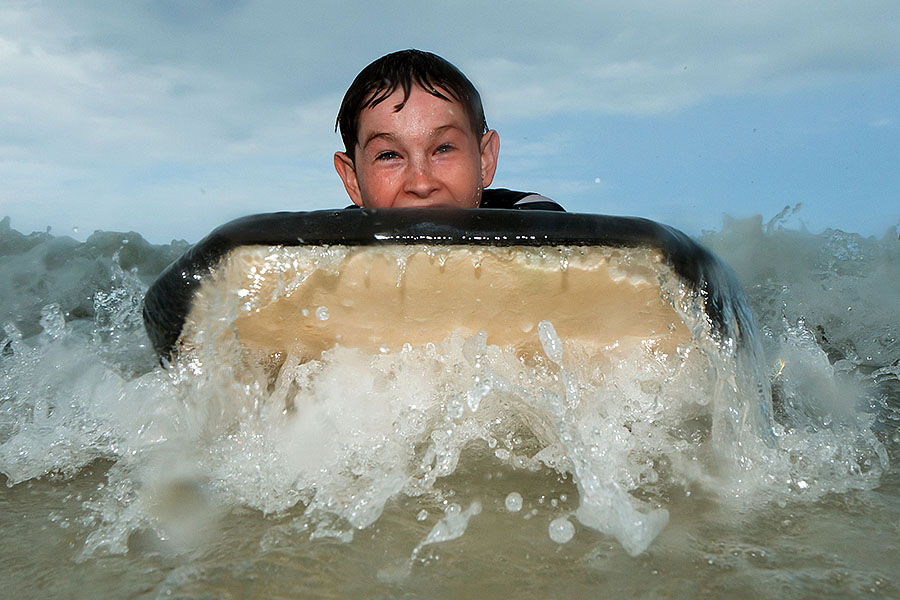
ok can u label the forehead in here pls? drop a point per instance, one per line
(420, 108)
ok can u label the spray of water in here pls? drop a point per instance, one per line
(344, 435)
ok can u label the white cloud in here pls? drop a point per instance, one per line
(652, 58)
(142, 104)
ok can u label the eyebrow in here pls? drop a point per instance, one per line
(375, 136)
(390, 136)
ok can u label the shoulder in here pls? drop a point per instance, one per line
(503, 198)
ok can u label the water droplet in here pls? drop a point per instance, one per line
(477, 393)
(422, 515)
(514, 502)
(52, 320)
(550, 341)
(322, 313)
(455, 408)
(561, 530)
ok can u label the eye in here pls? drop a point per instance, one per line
(443, 148)
(387, 155)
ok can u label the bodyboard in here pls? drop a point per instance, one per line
(300, 283)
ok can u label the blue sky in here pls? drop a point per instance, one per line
(169, 118)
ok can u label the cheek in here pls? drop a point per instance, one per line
(467, 186)
(470, 173)
(389, 181)
(379, 187)
(378, 179)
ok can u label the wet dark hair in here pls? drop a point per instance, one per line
(404, 69)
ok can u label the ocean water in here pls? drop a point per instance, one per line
(453, 469)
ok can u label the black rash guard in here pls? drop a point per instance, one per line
(503, 198)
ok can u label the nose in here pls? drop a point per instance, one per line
(421, 181)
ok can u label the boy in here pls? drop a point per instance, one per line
(415, 135)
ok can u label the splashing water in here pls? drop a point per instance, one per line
(334, 461)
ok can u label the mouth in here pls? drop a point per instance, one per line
(428, 204)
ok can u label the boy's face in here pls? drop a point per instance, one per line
(426, 154)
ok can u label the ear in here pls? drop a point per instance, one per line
(346, 170)
(490, 150)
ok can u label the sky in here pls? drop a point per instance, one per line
(169, 118)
